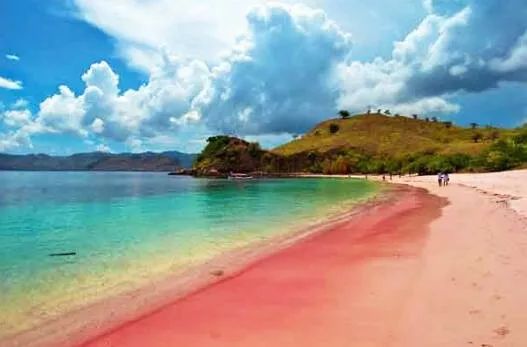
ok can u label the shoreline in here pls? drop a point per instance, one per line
(76, 326)
(423, 266)
(240, 310)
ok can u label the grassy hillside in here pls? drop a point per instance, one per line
(378, 143)
(375, 143)
(380, 135)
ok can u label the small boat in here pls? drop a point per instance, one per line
(239, 176)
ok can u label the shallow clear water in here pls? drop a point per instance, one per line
(128, 228)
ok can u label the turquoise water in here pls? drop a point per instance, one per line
(128, 228)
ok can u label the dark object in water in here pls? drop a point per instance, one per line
(62, 254)
(182, 172)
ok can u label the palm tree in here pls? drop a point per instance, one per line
(344, 114)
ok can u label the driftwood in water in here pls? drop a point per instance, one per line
(62, 254)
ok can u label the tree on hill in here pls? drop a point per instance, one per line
(427, 119)
(473, 125)
(379, 111)
(387, 112)
(414, 116)
(344, 114)
(434, 119)
(448, 124)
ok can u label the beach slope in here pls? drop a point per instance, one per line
(429, 266)
(346, 286)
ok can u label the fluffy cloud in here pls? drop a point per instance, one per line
(16, 118)
(460, 46)
(14, 140)
(6, 83)
(194, 29)
(103, 148)
(159, 106)
(278, 79)
(62, 113)
(475, 48)
(290, 67)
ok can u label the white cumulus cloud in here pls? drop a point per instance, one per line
(7, 83)
(103, 148)
(279, 76)
(268, 71)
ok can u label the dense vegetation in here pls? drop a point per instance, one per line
(224, 154)
(376, 143)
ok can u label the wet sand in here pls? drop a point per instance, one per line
(347, 286)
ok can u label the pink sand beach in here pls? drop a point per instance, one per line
(428, 266)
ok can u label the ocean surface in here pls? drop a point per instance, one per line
(131, 228)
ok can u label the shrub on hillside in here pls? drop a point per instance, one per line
(333, 128)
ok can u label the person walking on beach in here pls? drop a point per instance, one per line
(440, 177)
(446, 179)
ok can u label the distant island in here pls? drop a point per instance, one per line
(98, 161)
(373, 143)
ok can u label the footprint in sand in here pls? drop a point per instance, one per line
(502, 331)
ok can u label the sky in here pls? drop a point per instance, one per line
(136, 75)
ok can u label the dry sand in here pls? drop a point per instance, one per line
(472, 288)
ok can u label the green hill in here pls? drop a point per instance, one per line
(224, 154)
(375, 143)
(378, 143)
(377, 134)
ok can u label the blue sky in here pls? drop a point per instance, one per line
(85, 75)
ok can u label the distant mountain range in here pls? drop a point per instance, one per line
(98, 161)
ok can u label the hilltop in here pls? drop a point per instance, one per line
(376, 143)
(379, 143)
(377, 134)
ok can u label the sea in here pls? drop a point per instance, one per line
(128, 228)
